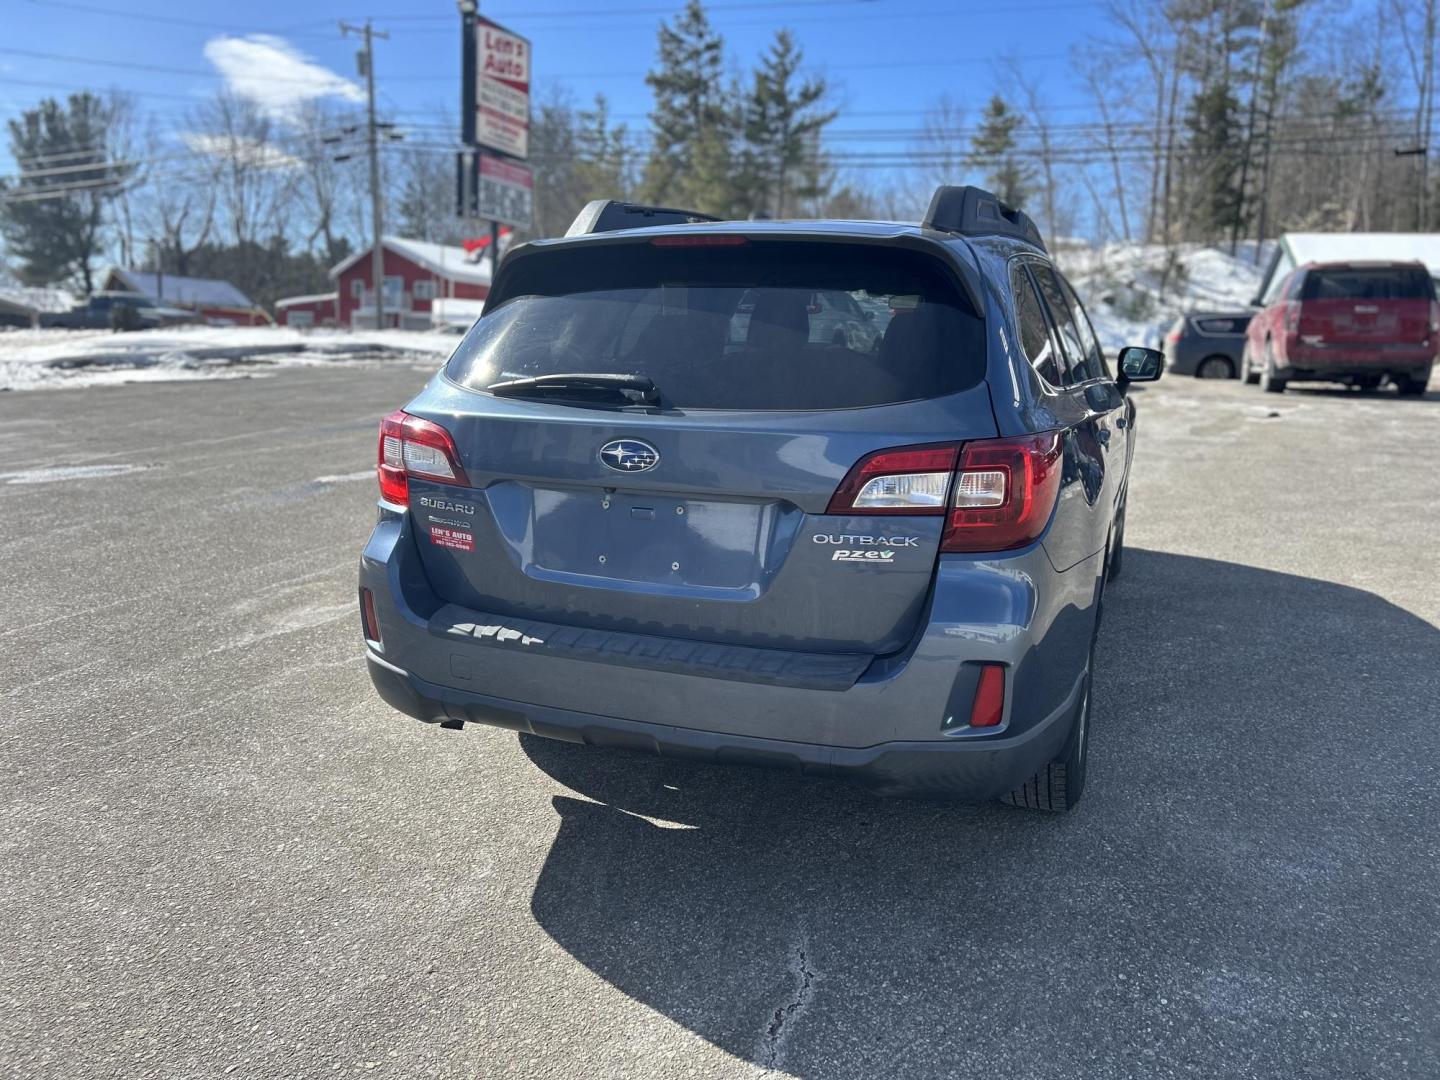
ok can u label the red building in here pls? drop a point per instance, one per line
(416, 272)
(322, 309)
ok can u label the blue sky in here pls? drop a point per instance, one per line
(886, 60)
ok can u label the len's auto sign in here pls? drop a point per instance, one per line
(502, 89)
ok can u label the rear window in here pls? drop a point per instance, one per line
(1369, 283)
(760, 326)
(1222, 326)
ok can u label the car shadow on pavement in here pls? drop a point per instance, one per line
(1249, 887)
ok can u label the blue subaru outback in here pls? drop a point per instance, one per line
(835, 496)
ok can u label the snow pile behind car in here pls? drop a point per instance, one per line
(1133, 292)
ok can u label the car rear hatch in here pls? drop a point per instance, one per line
(1366, 306)
(652, 432)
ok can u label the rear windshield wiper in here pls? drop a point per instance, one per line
(627, 389)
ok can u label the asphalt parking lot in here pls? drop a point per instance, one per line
(223, 855)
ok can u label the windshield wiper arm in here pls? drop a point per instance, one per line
(631, 389)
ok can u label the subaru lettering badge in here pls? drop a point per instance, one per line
(629, 455)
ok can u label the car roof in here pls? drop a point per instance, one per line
(1367, 264)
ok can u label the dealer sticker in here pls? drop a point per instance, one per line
(452, 538)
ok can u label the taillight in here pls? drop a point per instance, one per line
(693, 240)
(996, 494)
(908, 480)
(1005, 491)
(1292, 317)
(410, 446)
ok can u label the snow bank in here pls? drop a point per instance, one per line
(1121, 286)
(45, 359)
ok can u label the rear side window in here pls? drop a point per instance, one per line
(1369, 283)
(755, 326)
(1034, 331)
(1095, 366)
(1075, 359)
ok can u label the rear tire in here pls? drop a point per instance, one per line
(1058, 786)
(1270, 380)
(1248, 375)
(1409, 387)
(1215, 367)
(1117, 550)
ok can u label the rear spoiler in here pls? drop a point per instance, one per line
(608, 215)
(973, 211)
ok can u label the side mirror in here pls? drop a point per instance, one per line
(1257, 301)
(1139, 364)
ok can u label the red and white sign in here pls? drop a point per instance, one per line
(506, 191)
(452, 538)
(502, 89)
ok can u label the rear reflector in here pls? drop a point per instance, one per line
(410, 446)
(368, 621)
(989, 704)
(690, 240)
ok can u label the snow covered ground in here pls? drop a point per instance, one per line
(43, 359)
(1120, 285)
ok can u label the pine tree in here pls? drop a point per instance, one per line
(602, 154)
(994, 151)
(694, 119)
(1215, 129)
(784, 119)
(53, 214)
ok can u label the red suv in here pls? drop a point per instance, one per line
(1354, 322)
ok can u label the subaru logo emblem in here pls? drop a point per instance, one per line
(629, 455)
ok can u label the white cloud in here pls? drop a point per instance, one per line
(274, 74)
(240, 148)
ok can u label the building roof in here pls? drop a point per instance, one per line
(33, 299)
(191, 291)
(313, 298)
(442, 260)
(1354, 247)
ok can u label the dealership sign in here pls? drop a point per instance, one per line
(502, 89)
(506, 191)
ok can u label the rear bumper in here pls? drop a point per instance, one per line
(897, 722)
(1323, 360)
(974, 770)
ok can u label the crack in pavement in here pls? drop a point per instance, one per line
(772, 1045)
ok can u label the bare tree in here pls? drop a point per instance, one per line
(1097, 75)
(1058, 220)
(1415, 25)
(253, 173)
(323, 134)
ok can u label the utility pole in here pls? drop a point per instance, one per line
(366, 61)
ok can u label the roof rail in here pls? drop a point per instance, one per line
(973, 211)
(608, 215)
